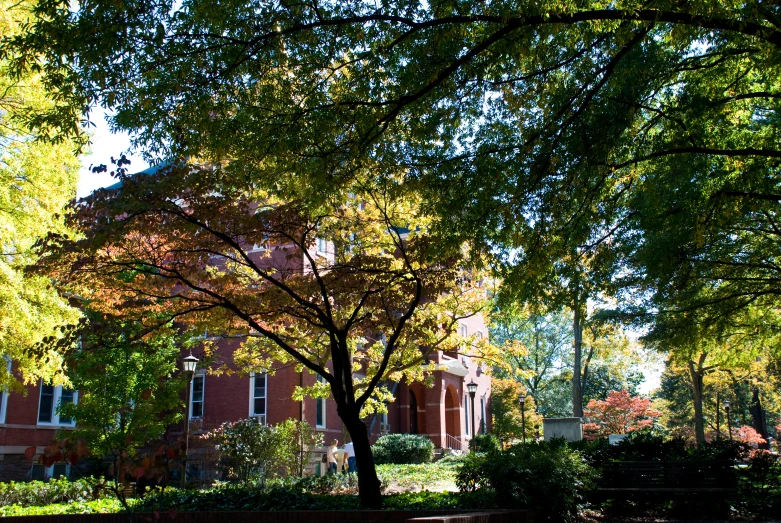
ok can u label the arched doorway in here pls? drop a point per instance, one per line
(452, 413)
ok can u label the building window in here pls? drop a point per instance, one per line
(41, 472)
(38, 472)
(482, 415)
(3, 405)
(320, 407)
(51, 399)
(463, 332)
(196, 396)
(322, 245)
(4, 398)
(384, 425)
(257, 396)
(466, 414)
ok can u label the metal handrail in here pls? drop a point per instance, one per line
(453, 443)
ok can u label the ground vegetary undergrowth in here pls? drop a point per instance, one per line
(100, 506)
(328, 493)
(418, 477)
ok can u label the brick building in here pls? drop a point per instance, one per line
(441, 412)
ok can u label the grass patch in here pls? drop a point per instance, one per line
(417, 476)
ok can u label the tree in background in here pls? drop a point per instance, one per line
(541, 366)
(129, 394)
(609, 359)
(506, 420)
(37, 180)
(356, 289)
(730, 381)
(620, 413)
(612, 361)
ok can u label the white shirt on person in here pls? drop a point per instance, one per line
(332, 453)
(349, 450)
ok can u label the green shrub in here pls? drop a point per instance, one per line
(452, 459)
(403, 449)
(547, 478)
(99, 506)
(328, 484)
(484, 443)
(40, 493)
(298, 441)
(759, 485)
(252, 452)
(645, 446)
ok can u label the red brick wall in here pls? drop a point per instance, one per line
(358, 516)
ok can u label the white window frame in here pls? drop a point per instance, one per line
(4, 398)
(384, 423)
(263, 417)
(322, 403)
(462, 329)
(321, 245)
(55, 422)
(202, 376)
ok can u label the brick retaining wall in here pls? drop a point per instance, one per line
(357, 516)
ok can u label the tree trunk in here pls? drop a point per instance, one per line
(696, 377)
(758, 418)
(718, 415)
(368, 482)
(577, 390)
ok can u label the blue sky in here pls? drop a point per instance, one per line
(105, 144)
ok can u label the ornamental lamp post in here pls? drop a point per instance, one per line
(189, 363)
(522, 399)
(729, 425)
(471, 387)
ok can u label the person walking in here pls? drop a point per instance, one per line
(350, 452)
(341, 460)
(332, 454)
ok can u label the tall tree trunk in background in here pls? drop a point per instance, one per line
(696, 375)
(718, 415)
(577, 385)
(758, 418)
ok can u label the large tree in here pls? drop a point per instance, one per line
(37, 180)
(356, 290)
(565, 139)
(560, 138)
